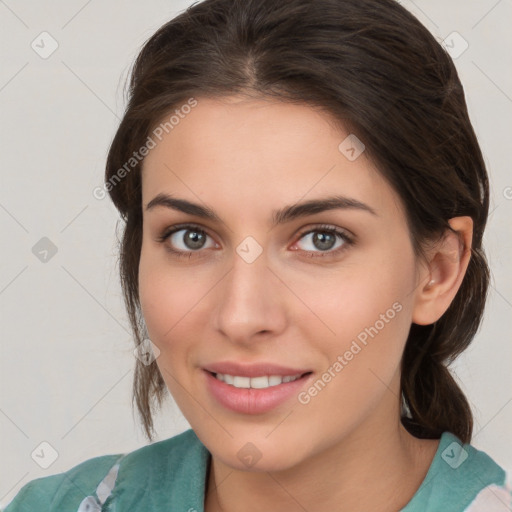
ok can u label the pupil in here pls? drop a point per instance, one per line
(194, 239)
(323, 240)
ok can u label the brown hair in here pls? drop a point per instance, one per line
(378, 71)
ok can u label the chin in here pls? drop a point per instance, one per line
(253, 454)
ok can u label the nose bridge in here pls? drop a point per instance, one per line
(247, 274)
(248, 300)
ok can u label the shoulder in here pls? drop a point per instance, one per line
(493, 498)
(44, 493)
(489, 486)
(457, 477)
(68, 489)
(176, 447)
(172, 471)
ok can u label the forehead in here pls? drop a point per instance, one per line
(259, 152)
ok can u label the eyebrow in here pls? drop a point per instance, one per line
(281, 216)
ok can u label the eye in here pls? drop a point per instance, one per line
(185, 240)
(325, 239)
(322, 241)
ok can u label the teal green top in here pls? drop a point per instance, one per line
(171, 475)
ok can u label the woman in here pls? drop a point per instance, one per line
(305, 200)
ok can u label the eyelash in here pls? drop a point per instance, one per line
(324, 228)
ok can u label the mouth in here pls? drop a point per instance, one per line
(254, 395)
(260, 382)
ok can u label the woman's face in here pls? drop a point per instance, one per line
(255, 286)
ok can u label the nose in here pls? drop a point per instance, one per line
(251, 302)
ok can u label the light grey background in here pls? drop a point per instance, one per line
(66, 354)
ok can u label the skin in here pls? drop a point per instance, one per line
(346, 449)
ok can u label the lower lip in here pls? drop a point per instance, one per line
(253, 401)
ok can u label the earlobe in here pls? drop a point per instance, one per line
(447, 265)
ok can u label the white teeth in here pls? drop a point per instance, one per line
(255, 382)
(241, 382)
(228, 379)
(274, 380)
(259, 382)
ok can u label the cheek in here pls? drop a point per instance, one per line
(363, 316)
(361, 360)
(350, 301)
(161, 298)
(170, 300)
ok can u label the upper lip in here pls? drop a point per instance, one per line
(254, 369)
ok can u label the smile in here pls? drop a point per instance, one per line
(256, 382)
(254, 395)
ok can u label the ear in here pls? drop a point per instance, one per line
(440, 280)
